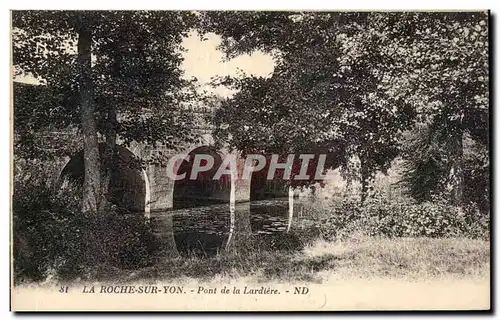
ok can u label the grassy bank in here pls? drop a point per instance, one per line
(356, 257)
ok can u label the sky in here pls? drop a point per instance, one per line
(203, 60)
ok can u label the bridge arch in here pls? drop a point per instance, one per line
(205, 188)
(262, 188)
(130, 186)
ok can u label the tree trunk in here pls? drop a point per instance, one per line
(108, 159)
(456, 178)
(91, 182)
(365, 181)
(111, 123)
(364, 188)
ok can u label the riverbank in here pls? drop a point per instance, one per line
(355, 258)
(361, 273)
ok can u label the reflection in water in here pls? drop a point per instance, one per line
(202, 230)
(232, 221)
(207, 230)
(290, 209)
(232, 211)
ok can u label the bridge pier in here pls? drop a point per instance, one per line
(242, 186)
(161, 188)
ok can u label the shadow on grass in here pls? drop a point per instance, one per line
(368, 257)
(263, 266)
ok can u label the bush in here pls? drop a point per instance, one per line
(380, 216)
(52, 236)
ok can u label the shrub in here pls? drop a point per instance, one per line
(340, 219)
(403, 217)
(52, 235)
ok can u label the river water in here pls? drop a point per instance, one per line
(208, 229)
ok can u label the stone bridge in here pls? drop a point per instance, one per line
(149, 188)
(151, 191)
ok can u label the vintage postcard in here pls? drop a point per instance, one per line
(250, 161)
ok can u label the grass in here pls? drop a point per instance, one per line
(357, 257)
(409, 258)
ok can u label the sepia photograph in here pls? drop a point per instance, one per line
(167, 160)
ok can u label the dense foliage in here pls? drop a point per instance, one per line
(53, 238)
(354, 83)
(135, 71)
(399, 217)
(113, 75)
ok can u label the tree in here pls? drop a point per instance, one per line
(92, 177)
(449, 58)
(334, 87)
(110, 74)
